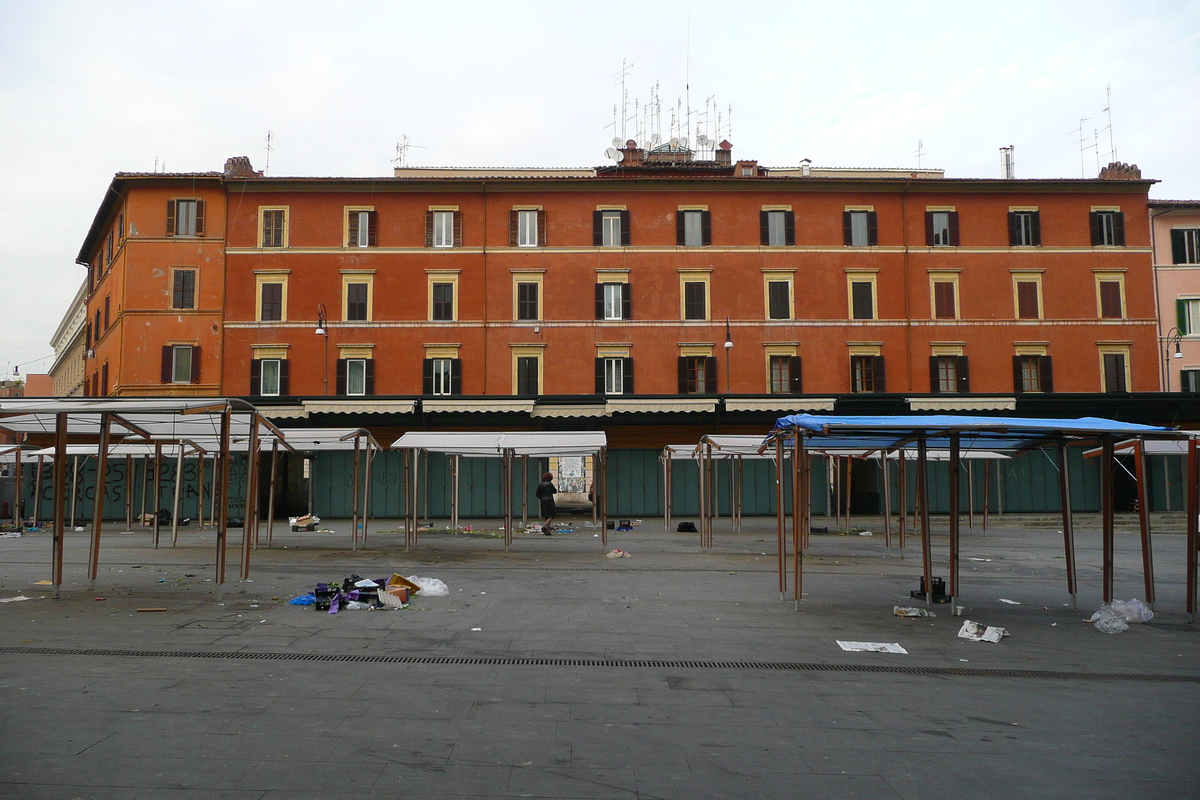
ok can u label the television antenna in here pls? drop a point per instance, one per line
(269, 148)
(1083, 146)
(619, 79)
(403, 145)
(1112, 147)
(919, 152)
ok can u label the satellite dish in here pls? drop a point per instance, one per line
(620, 156)
(616, 141)
(612, 153)
(683, 143)
(674, 143)
(645, 145)
(631, 144)
(655, 139)
(701, 140)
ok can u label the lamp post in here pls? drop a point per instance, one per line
(728, 347)
(323, 330)
(1173, 336)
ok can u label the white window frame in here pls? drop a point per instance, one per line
(443, 228)
(268, 384)
(177, 363)
(443, 371)
(1024, 227)
(693, 228)
(1106, 222)
(776, 228)
(527, 227)
(610, 228)
(356, 370)
(614, 298)
(777, 382)
(185, 224)
(941, 233)
(860, 228)
(1191, 315)
(614, 375)
(285, 235)
(364, 226)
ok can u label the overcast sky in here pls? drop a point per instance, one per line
(90, 89)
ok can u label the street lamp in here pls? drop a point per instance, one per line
(323, 330)
(1173, 336)
(728, 347)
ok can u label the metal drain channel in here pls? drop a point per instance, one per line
(787, 666)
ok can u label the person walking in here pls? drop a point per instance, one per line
(545, 494)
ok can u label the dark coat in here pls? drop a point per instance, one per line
(545, 493)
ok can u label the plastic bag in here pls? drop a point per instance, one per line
(355, 605)
(430, 587)
(1133, 610)
(1108, 621)
(303, 600)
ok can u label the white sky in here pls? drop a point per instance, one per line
(90, 89)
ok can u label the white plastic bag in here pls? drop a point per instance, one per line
(430, 587)
(1109, 621)
(1132, 610)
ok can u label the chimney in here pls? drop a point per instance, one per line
(634, 155)
(806, 167)
(1120, 171)
(239, 167)
(724, 155)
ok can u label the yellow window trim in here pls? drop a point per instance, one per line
(778, 277)
(267, 276)
(861, 276)
(441, 276)
(694, 276)
(527, 276)
(1027, 276)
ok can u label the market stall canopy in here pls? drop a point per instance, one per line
(521, 443)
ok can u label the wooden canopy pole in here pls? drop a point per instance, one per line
(366, 510)
(780, 514)
(1108, 514)
(602, 494)
(128, 492)
(271, 498)
(506, 487)
(1191, 502)
(416, 495)
(700, 487)
(667, 491)
(849, 477)
(175, 499)
(355, 495)
(74, 489)
(987, 465)
(887, 500)
(17, 489)
(923, 498)
(98, 505)
(1139, 455)
(806, 499)
(221, 490)
(971, 495)
(955, 476)
(157, 488)
(524, 491)
(1064, 490)
(212, 495)
(455, 464)
(60, 497)
(250, 506)
(407, 498)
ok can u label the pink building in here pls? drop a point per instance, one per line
(1175, 227)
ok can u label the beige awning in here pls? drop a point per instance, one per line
(462, 406)
(568, 411)
(283, 412)
(665, 406)
(783, 404)
(364, 406)
(963, 403)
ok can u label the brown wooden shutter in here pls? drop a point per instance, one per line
(880, 377)
(1094, 219)
(954, 241)
(456, 376)
(929, 229)
(255, 376)
(1119, 228)
(599, 301)
(789, 228)
(340, 387)
(427, 376)
(599, 376)
(795, 375)
(597, 229)
(627, 376)
(541, 225)
(964, 375)
(170, 218)
(1110, 299)
(1018, 374)
(457, 229)
(1013, 229)
(1036, 227)
(935, 385)
(1047, 373)
(705, 228)
(371, 226)
(107, 310)
(626, 301)
(847, 228)
(285, 383)
(168, 353)
(710, 374)
(199, 217)
(369, 381)
(514, 222)
(1027, 299)
(681, 364)
(352, 229)
(429, 229)
(764, 228)
(625, 232)
(680, 236)
(195, 364)
(872, 229)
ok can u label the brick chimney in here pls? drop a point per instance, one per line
(1120, 171)
(239, 167)
(724, 153)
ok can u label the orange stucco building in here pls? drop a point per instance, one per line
(610, 285)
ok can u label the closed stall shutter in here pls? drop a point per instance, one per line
(340, 387)
(256, 376)
(627, 376)
(797, 385)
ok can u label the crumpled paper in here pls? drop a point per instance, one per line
(978, 632)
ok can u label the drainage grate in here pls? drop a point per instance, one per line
(597, 662)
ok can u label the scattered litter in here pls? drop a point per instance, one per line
(1133, 610)
(938, 593)
(79, 529)
(962, 659)
(1108, 621)
(366, 584)
(11, 535)
(1053, 624)
(871, 647)
(16, 599)
(978, 632)
(43, 583)
(140, 610)
(911, 611)
(476, 629)
(969, 558)
(98, 599)
(865, 533)
(430, 587)
(1010, 602)
(618, 553)
(308, 522)
(303, 600)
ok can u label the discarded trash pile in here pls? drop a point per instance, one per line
(363, 594)
(308, 522)
(1116, 617)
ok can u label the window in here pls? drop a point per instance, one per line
(527, 301)
(1028, 303)
(443, 302)
(443, 228)
(949, 375)
(108, 250)
(693, 228)
(268, 377)
(271, 302)
(779, 299)
(528, 368)
(1111, 305)
(1189, 380)
(860, 228)
(613, 301)
(356, 376)
(1032, 373)
(97, 329)
(695, 300)
(360, 228)
(274, 227)
(866, 374)
(614, 375)
(180, 364)
(185, 218)
(356, 301)
(777, 228)
(785, 375)
(1108, 229)
(941, 229)
(526, 228)
(104, 380)
(610, 228)
(1187, 316)
(107, 310)
(697, 375)
(1185, 246)
(1024, 229)
(183, 290)
(442, 376)
(1115, 372)
(944, 300)
(862, 299)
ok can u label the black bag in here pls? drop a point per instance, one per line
(686, 527)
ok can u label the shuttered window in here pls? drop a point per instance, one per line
(1024, 229)
(866, 374)
(360, 228)
(1114, 372)
(697, 375)
(183, 290)
(1027, 300)
(860, 229)
(527, 301)
(862, 294)
(949, 375)
(1108, 228)
(180, 364)
(527, 375)
(1187, 316)
(269, 377)
(443, 229)
(941, 229)
(273, 227)
(356, 302)
(693, 228)
(272, 302)
(443, 302)
(785, 375)
(779, 300)
(526, 228)
(185, 218)
(777, 228)
(943, 300)
(613, 301)
(1185, 246)
(1032, 374)
(1110, 300)
(694, 300)
(610, 228)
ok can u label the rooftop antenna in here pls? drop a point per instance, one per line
(1082, 147)
(1096, 145)
(687, 74)
(1112, 147)
(620, 78)
(919, 152)
(269, 148)
(403, 145)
